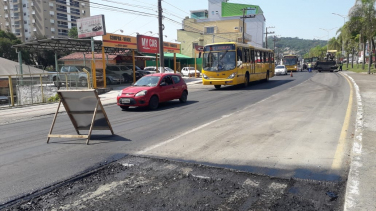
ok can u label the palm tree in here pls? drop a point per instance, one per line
(350, 40)
(363, 19)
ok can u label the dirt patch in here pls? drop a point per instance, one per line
(139, 183)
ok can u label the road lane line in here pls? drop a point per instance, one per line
(352, 186)
(209, 123)
(338, 156)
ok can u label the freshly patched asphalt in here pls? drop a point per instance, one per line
(139, 183)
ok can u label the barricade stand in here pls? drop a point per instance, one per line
(85, 111)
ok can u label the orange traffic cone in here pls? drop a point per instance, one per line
(291, 74)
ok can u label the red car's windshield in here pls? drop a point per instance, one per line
(148, 81)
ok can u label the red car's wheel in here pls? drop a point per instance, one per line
(153, 102)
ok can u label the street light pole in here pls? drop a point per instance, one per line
(161, 28)
(344, 22)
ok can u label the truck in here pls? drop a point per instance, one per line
(328, 63)
(73, 74)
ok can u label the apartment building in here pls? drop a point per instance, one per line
(222, 22)
(51, 18)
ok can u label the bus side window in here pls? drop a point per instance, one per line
(239, 54)
(247, 55)
(261, 57)
(244, 55)
(257, 56)
(253, 56)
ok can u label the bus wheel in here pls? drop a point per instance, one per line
(246, 80)
(217, 86)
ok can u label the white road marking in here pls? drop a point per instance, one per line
(352, 189)
(209, 123)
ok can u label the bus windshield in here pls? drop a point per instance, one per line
(289, 61)
(219, 61)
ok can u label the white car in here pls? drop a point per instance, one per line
(280, 70)
(190, 71)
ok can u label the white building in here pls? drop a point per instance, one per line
(219, 10)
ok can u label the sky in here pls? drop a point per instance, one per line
(305, 19)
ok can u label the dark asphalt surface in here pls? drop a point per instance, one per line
(28, 163)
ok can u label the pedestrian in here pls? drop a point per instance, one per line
(309, 67)
(340, 66)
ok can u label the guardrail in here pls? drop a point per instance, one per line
(27, 89)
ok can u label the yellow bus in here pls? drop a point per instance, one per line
(291, 62)
(232, 63)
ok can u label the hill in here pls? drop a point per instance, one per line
(289, 45)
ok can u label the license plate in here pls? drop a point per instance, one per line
(125, 100)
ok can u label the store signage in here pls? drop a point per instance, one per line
(171, 47)
(147, 44)
(91, 26)
(119, 41)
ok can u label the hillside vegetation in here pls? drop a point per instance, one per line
(289, 45)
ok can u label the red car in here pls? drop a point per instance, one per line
(152, 89)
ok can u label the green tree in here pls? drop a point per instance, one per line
(363, 20)
(7, 40)
(73, 33)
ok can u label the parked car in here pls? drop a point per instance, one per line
(153, 69)
(4, 100)
(75, 74)
(120, 70)
(280, 70)
(113, 78)
(190, 71)
(153, 89)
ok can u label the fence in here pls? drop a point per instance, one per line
(26, 89)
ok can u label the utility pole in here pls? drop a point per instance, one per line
(161, 28)
(266, 35)
(245, 17)
(275, 39)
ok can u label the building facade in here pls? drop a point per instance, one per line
(222, 22)
(28, 19)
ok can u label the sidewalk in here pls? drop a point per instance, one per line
(361, 186)
(15, 114)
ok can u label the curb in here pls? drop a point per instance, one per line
(352, 186)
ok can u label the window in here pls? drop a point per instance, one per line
(75, 11)
(265, 57)
(64, 69)
(176, 78)
(26, 30)
(247, 55)
(24, 5)
(257, 57)
(240, 56)
(252, 56)
(244, 52)
(167, 80)
(25, 22)
(194, 45)
(209, 30)
(24, 13)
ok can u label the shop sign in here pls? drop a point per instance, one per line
(119, 41)
(147, 44)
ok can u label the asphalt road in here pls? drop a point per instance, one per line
(287, 127)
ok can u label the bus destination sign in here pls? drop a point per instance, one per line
(224, 47)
